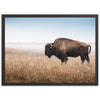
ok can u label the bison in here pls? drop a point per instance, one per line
(64, 48)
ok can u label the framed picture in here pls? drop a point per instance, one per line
(50, 50)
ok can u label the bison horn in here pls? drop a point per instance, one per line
(51, 45)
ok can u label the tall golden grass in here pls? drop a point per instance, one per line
(24, 68)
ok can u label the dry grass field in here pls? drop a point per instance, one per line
(30, 68)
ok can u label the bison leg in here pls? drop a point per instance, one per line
(87, 58)
(62, 61)
(64, 58)
(82, 59)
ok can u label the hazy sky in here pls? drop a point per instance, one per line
(48, 29)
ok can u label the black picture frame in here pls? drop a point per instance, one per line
(47, 16)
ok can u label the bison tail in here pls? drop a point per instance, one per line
(89, 48)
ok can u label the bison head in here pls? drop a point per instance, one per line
(49, 49)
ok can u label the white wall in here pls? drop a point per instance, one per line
(49, 92)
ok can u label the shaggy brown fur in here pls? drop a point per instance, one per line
(64, 48)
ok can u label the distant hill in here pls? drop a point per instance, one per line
(32, 47)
